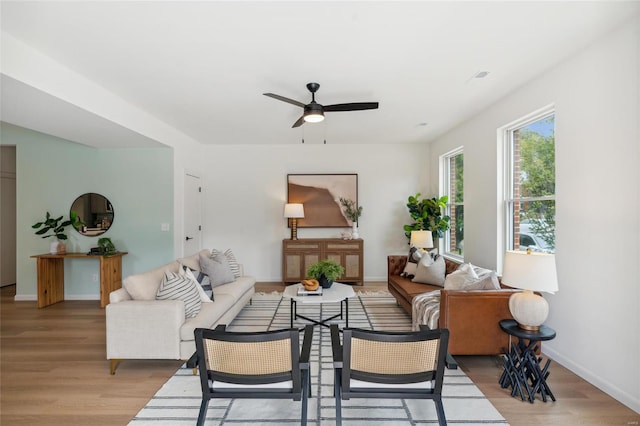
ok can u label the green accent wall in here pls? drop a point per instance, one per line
(52, 172)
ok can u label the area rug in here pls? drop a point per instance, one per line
(178, 401)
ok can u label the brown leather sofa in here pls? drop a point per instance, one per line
(472, 317)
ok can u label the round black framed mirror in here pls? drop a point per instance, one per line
(94, 211)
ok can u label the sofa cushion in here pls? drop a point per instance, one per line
(209, 315)
(193, 261)
(431, 271)
(231, 258)
(145, 286)
(180, 287)
(217, 268)
(236, 288)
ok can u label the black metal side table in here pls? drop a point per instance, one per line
(523, 370)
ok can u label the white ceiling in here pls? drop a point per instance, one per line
(201, 67)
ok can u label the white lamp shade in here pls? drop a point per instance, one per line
(421, 239)
(293, 210)
(533, 271)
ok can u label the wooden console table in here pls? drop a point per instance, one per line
(51, 275)
(298, 255)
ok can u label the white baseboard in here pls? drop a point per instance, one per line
(34, 298)
(599, 382)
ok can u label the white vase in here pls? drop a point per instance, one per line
(354, 232)
(53, 247)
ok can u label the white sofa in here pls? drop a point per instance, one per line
(140, 327)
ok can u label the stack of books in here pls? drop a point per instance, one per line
(303, 292)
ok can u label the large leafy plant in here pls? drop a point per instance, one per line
(427, 214)
(54, 226)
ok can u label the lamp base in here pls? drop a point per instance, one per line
(528, 309)
(294, 228)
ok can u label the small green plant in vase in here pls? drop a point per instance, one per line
(54, 225)
(353, 213)
(106, 246)
(326, 272)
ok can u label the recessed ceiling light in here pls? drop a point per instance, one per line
(423, 124)
(481, 74)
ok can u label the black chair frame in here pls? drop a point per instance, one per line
(343, 372)
(299, 374)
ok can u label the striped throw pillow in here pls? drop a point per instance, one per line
(180, 287)
(233, 263)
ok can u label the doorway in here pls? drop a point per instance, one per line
(8, 215)
(192, 242)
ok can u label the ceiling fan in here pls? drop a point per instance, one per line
(314, 112)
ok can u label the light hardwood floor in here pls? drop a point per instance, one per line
(53, 372)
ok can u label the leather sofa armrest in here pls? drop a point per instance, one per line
(472, 318)
(395, 264)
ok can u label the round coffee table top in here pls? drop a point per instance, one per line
(336, 293)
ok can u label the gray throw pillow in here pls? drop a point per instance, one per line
(217, 268)
(431, 271)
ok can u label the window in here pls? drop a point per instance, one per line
(452, 166)
(530, 200)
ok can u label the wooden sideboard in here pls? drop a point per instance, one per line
(298, 255)
(51, 275)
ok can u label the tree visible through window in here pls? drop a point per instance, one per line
(531, 208)
(453, 174)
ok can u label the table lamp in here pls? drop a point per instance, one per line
(421, 239)
(530, 272)
(294, 211)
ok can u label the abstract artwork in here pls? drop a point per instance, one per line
(320, 194)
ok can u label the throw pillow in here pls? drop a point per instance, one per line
(233, 263)
(202, 283)
(217, 268)
(431, 270)
(465, 278)
(413, 258)
(179, 287)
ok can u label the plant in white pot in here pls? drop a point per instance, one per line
(56, 228)
(353, 213)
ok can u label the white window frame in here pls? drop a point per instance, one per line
(445, 189)
(505, 135)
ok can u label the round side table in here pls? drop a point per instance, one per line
(523, 371)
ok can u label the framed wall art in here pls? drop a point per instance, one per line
(320, 194)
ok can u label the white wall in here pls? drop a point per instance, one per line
(246, 188)
(597, 99)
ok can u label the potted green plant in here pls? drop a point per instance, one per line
(106, 246)
(326, 272)
(427, 215)
(353, 213)
(54, 225)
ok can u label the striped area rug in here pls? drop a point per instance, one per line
(178, 401)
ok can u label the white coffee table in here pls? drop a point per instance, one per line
(338, 292)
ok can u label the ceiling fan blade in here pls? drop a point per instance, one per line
(355, 106)
(283, 99)
(298, 123)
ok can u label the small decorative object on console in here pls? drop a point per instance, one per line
(106, 246)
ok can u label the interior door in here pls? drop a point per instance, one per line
(192, 214)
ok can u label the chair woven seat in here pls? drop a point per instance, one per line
(266, 365)
(373, 364)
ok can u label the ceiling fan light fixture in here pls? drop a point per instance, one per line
(314, 117)
(313, 113)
